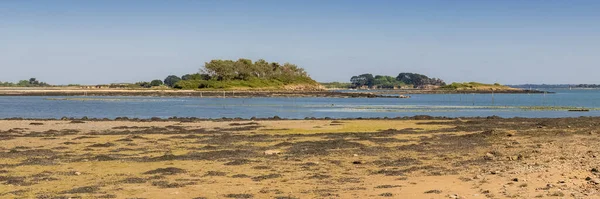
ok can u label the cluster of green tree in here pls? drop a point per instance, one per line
(32, 82)
(419, 80)
(153, 83)
(402, 80)
(220, 74)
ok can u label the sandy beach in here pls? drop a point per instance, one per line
(283, 159)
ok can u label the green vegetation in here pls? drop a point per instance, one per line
(32, 82)
(243, 73)
(419, 80)
(388, 82)
(171, 80)
(156, 82)
(473, 86)
(215, 84)
(141, 84)
(6, 84)
(340, 85)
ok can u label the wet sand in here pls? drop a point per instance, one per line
(283, 159)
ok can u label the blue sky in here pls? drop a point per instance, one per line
(508, 41)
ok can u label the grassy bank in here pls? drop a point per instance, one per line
(476, 86)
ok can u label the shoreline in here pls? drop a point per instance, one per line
(277, 118)
(240, 93)
(435, 92)
(188, 93)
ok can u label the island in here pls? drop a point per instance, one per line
(260, 78)
(414, 83)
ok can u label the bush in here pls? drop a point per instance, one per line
(172, 80)
(156, 82)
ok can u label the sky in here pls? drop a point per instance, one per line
(110, 41)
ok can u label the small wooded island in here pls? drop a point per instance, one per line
(247, 78)
(419, 83)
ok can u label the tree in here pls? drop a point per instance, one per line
(418, 80)
(244, 72)
(171, 80)
(196, 76)
(220, 69)
(261, 68)
(33, 81)
(244, 69)
(156, 82)
(362, 80)
(144, 84)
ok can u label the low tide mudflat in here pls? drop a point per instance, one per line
(284, 159)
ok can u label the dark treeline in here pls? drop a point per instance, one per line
(241, 73)
(588, 86)
(403, 80)
(32, 82)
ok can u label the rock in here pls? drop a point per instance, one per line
(494, 172)
(454, 196)
(594, 170)
(595, 181)
(357, 162)
(355, 155)
(515, 179)
(77, 173)
(489, 156)
(272, 152)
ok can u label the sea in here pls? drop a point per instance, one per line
(561, 103)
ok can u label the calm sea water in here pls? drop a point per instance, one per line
(451, 105)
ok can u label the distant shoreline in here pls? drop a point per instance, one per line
(183, 93)
(7, 91)
(420, 91)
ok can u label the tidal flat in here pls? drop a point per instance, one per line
(284, 159)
